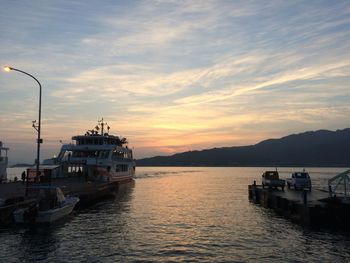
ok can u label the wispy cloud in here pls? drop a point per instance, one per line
(175, 75)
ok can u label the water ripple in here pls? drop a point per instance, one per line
(178, 215)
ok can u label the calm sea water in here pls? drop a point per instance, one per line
(179, 214)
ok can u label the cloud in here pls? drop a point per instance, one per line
(176, 75)
(305, 73)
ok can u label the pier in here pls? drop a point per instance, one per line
(314, 208)
(13, 195)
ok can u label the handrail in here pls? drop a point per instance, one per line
(338, 179)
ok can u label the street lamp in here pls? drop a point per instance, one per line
(37, 127)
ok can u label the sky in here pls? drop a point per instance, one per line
(172, 76)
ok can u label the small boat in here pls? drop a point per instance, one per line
(51, 205)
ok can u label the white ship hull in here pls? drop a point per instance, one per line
(50, 215)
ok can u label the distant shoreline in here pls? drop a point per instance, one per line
(320, 148)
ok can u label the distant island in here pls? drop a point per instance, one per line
(322, 148)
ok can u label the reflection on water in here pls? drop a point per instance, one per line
(179, 214)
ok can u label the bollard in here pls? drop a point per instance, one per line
(330, 190)
(304, 196)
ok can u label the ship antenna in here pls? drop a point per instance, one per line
(102, 125)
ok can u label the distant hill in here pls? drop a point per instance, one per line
(309, 149)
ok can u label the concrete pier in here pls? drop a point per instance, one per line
(12, 195)
(312, 208)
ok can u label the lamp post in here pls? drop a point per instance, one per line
(36, 127)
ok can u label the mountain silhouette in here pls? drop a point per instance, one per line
(309, 149)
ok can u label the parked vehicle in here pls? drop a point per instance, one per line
(271, 179)
(299, 180)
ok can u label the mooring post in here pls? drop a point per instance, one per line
(330, 190)
(304, 196)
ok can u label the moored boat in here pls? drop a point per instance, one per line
(51, 206)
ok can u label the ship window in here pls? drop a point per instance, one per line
(121, 167)
(99, 154)
(76, 170)
(117, 155)
(97, 141)
(67, 155)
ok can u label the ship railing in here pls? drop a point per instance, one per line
(341, 180)
(121, 159)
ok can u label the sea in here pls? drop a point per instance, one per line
(179, 214)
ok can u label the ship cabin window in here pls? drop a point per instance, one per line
(112, 141)
(104, 154)
(67, 155)
(117, 155)
(91, 154)
(121, 168)
(91, 140)
(75, 170)
(97, 141)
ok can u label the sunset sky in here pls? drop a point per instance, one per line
(173, 76)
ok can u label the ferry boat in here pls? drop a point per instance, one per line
(96, 156)
(3, 162)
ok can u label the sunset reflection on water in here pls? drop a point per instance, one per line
(180, 214)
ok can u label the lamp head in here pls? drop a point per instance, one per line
(7, 68)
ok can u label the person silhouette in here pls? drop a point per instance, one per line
(23, 177)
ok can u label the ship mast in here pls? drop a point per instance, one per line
(102, 125)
